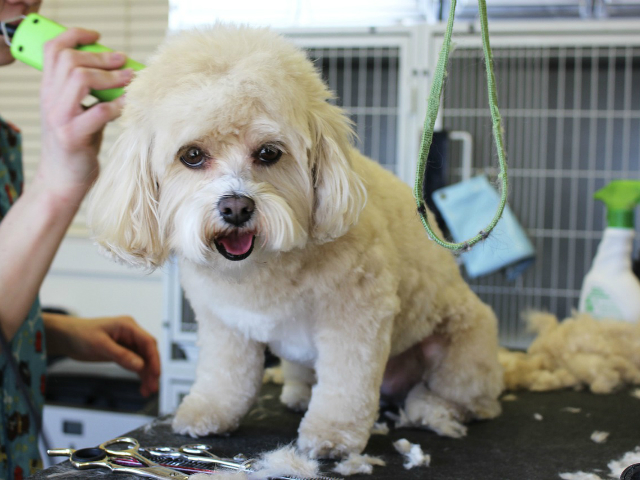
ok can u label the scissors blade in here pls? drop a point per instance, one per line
(127, 465)
(159, 473)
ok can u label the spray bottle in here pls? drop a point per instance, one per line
(610, 289)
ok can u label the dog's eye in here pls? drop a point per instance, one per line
(193, 157)
(268, 154)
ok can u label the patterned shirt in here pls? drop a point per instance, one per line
(19, 456)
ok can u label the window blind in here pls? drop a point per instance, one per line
(298, 13)
(135, 27)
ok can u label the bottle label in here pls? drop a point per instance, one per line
(600, 305)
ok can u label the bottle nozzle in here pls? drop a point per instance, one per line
(621, 198)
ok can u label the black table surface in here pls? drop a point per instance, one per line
(516, 445)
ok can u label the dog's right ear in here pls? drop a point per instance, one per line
(123, 205)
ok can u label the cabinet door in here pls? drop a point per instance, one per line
(176, 390)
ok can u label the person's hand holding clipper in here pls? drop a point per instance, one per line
(71, 133)
(74, 66)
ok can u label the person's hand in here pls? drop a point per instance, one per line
(72, 134)
(118, 339)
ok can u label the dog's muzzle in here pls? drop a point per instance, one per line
(236, 210)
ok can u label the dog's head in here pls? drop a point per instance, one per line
(229, 146)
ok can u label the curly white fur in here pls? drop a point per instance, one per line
(341, 277)
(577, 352)
(281, 462)
(358, 464)
(413, 454)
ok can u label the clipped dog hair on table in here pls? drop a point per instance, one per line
(579, 352)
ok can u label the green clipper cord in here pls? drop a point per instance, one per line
(27, 45)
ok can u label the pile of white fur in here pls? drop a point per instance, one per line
(577, 352)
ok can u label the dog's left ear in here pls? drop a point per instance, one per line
(340, 194)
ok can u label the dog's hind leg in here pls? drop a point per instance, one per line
(469, 374)
(427, 410)
(404, 379)
(296, 391)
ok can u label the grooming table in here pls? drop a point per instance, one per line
(516, 445)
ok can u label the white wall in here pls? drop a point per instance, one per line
(86, 283)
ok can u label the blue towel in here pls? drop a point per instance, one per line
(468, 207)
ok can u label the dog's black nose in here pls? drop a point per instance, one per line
(236, 209)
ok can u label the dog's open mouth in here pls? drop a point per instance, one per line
(236, 246)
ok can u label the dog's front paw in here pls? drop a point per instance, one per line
(296, 396)
(331, 439)
(197, 417)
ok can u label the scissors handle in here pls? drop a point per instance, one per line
(132, 449)
(149, 468)
(59, 452)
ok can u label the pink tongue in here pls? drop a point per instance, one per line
(237, 244)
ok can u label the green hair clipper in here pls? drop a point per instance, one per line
(27, 45)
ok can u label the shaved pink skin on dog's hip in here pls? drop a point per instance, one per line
(410, 367)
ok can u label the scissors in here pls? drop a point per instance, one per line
(111, 453)
(200, 455)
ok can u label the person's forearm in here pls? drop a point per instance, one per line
(30, 235)
(57, 338)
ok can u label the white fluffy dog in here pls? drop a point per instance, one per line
(233, 159)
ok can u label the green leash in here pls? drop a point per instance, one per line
(432, 113)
